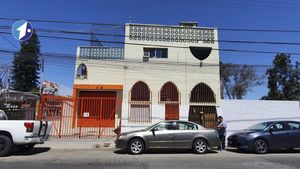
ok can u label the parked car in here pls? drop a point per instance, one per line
(266, 136)
(169, 134)
(23, 134)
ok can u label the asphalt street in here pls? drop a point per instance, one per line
(47, 158)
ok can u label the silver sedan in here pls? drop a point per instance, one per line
(169, 134)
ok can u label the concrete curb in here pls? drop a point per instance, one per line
(63, 144)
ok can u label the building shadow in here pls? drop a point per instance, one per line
(165, 151)
(34, 151)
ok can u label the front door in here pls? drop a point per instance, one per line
(96, 108)
(295, 133)
(162, 136)
(203, 115)
(279, 136)
(209, 120)
(172, 111)
(184, 135)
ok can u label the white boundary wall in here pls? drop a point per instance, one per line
(240, 114)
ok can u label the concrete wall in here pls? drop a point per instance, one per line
(240, 114)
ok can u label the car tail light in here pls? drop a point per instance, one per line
(29, 126)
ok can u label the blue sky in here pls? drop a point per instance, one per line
(255, 14)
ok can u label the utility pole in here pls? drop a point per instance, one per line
(7, 89)
(94, 40)
(42, 68)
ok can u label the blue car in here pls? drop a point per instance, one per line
(266, 136)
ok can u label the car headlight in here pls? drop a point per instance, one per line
(122, 137)
(242, 135)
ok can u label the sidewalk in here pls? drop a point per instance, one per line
(78, 144)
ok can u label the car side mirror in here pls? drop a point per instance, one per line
(271, 130)
(153, 131)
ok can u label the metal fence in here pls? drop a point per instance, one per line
(17, 109)
(80, 117)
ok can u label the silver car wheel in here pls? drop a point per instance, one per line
(200, 146)
(136, 147)
(261, 146)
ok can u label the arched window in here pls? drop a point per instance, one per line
(140, 103)
(202, 106)
(202, 93)
(82, 71)
(169, 95)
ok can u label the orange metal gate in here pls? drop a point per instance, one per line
(96, 112)
(96, 108)
(85, 117)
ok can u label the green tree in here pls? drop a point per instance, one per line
(4, 75)
(25, 66)
(283, 79)
(237, 80)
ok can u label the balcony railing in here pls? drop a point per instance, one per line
(101, 52)
(173, 34)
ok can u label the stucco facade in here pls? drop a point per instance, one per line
(179, 66)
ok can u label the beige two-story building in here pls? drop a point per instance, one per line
(162, 73)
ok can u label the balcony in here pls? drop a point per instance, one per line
(101, 52)
(173, 34)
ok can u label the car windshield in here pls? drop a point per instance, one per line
(259, 126)
(148, 128)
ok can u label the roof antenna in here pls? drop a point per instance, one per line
(129, 19)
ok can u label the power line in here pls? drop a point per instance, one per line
(248, 3)
(124, 36)
(260, 30)
(138, 68)
(64, 22)
(227, 4)
(171, 46)
(8, 41)
(69, 57)
(67, 31)
(123, 25)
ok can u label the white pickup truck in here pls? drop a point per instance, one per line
(22, 134)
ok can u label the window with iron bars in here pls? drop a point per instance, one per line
(140, 103)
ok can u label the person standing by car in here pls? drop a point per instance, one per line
(221, 128)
